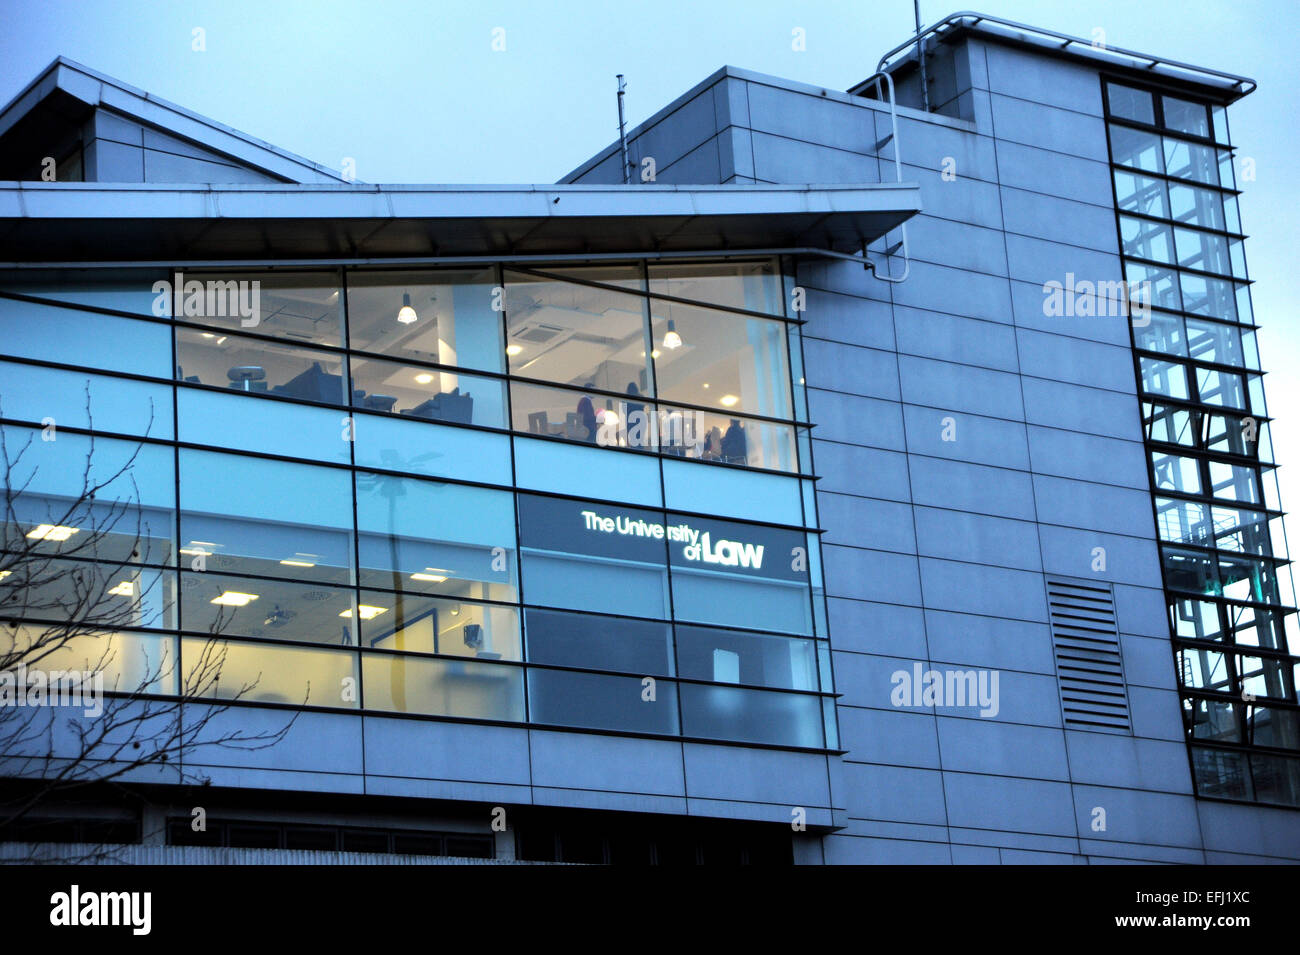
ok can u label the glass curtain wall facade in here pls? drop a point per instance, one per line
(1218, 517)
(569, 496)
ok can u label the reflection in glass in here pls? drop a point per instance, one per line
(259, 367)
(466, 689)
(420, 624)
(429, 394)
(751, 286)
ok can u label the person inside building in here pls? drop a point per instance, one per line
(734, 450)
(587, 415)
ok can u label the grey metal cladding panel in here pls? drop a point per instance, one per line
(854, 420)
(956, 245)
(928, 144)
(852, 469)
(976, 488)
(955, 291)
(865, 626)
(1132, 560)
(1072, 360)
(977, 538)
(851, 369)
(837, 317)
(866, 522)
(778, 159)
(945, 433)
(972, 588)
(1009, 804)
(895, 793)
(609, 764)
(1139, 817)
(956, 338)
(953, 387)
(1250, 829)
(871, 575)
(811, 119)
(1056, 404)
(1060, 220)
(1031, 168)
(1040, 261)
(973, 640)
(109, 161)
(895, 737)
(1096, 507)
(1060, 130)
(684, 130)
(1107, 759)
(1029, 303)
(1002, 749)
(1043, 79)
(756, 775)
(1088, 457)
(961, 199)
(418, 749)
(168, 167)
(702, 166)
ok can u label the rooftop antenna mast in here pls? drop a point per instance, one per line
(622, 132)
(920, 57)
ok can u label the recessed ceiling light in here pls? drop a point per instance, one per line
(728, 400)
(367, 612)
(436, 578)
(295, 562)
(424, 378)
(513, 350)
(233, 598)
(706, 384)
(52, 532)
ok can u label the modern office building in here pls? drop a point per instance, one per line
(876, 476)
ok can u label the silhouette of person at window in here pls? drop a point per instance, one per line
(587, 415)
(636, 419)
(734, 450)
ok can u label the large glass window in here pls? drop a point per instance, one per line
(751, 286)
(441, 317)
(255, 366)
(429, 394)
(304, 307)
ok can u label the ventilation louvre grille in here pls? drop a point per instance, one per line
(1089, 668)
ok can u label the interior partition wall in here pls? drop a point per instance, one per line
(577, 497)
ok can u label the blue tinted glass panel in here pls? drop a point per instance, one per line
(101, 342)
(754, 659)
(32, 393)
(751, 716)
(565, 698)
(246, 423)
(732, 492)
(574, 469)
(430, 686)
(599, 643)
(421, 447)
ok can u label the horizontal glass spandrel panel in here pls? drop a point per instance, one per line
(77, 596)
(105, 499)
(590, 642)
(123, 290)
(1165, 378)
(1214, 342)
(254, 366)
(77, 399)
(1146, 239)
(427, 394)
(441, 317)
(268, 673)
(1173, 472)
(1185, 160)
(126, 662)
(1213, 720)
(733, 492)
(416, 623)
(1183, 116)
(1195, 205)
(105, 343)
(752, 286)
(1234, 483)
(246, 515)
(1154, 285)
(1226, 389)
(1162, 332)
(576, 468)
(751, 716)
(304, 307)
(712, 358)
(229, 606)
(603, 558)
(1195, 619)
(578, 335)
(432, 537)
(402, 443)
(1202, 669)
(428, 686)
(244, 423)
(1129, 103)
(1136, 149)
(1135, 192)
(1203, 250)
(752, 659)
(623, 703)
